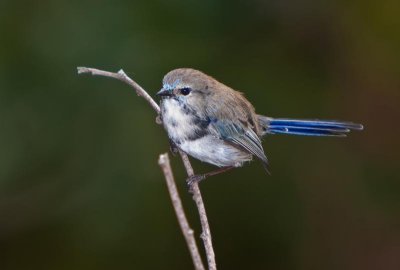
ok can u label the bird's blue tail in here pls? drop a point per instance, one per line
(306, 127)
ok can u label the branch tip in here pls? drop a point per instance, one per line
(162, 159)
(82, 70)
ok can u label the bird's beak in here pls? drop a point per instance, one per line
(164, 93)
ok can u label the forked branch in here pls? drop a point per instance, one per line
(206, 234)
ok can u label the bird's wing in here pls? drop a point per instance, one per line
(232, 118)
(239, 135)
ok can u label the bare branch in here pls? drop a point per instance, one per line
(206, 234)
(165, 165)
(121, 75)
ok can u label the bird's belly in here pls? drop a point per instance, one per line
(193, 137)
(215, 151)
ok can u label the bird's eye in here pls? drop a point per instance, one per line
(185, 91)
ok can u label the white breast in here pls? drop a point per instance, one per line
(177, 123)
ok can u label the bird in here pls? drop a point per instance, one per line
(216, 124)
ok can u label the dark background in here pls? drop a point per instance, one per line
(80, 187)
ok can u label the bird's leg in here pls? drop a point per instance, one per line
(173, 148)
(199, 177)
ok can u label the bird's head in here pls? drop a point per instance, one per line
(188, 86)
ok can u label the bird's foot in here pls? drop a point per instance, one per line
(173, 148)
(159, 120)
(194, 179)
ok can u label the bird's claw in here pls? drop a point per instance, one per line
(172, 147)
(194, 179)
(159, 120)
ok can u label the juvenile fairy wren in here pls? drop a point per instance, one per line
(218, 125)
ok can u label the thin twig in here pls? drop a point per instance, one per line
(165, 165)
(206, 234)
(121, 75)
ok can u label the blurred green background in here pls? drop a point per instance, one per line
(80, 187)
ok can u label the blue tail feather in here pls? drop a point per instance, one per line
(306, 127)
